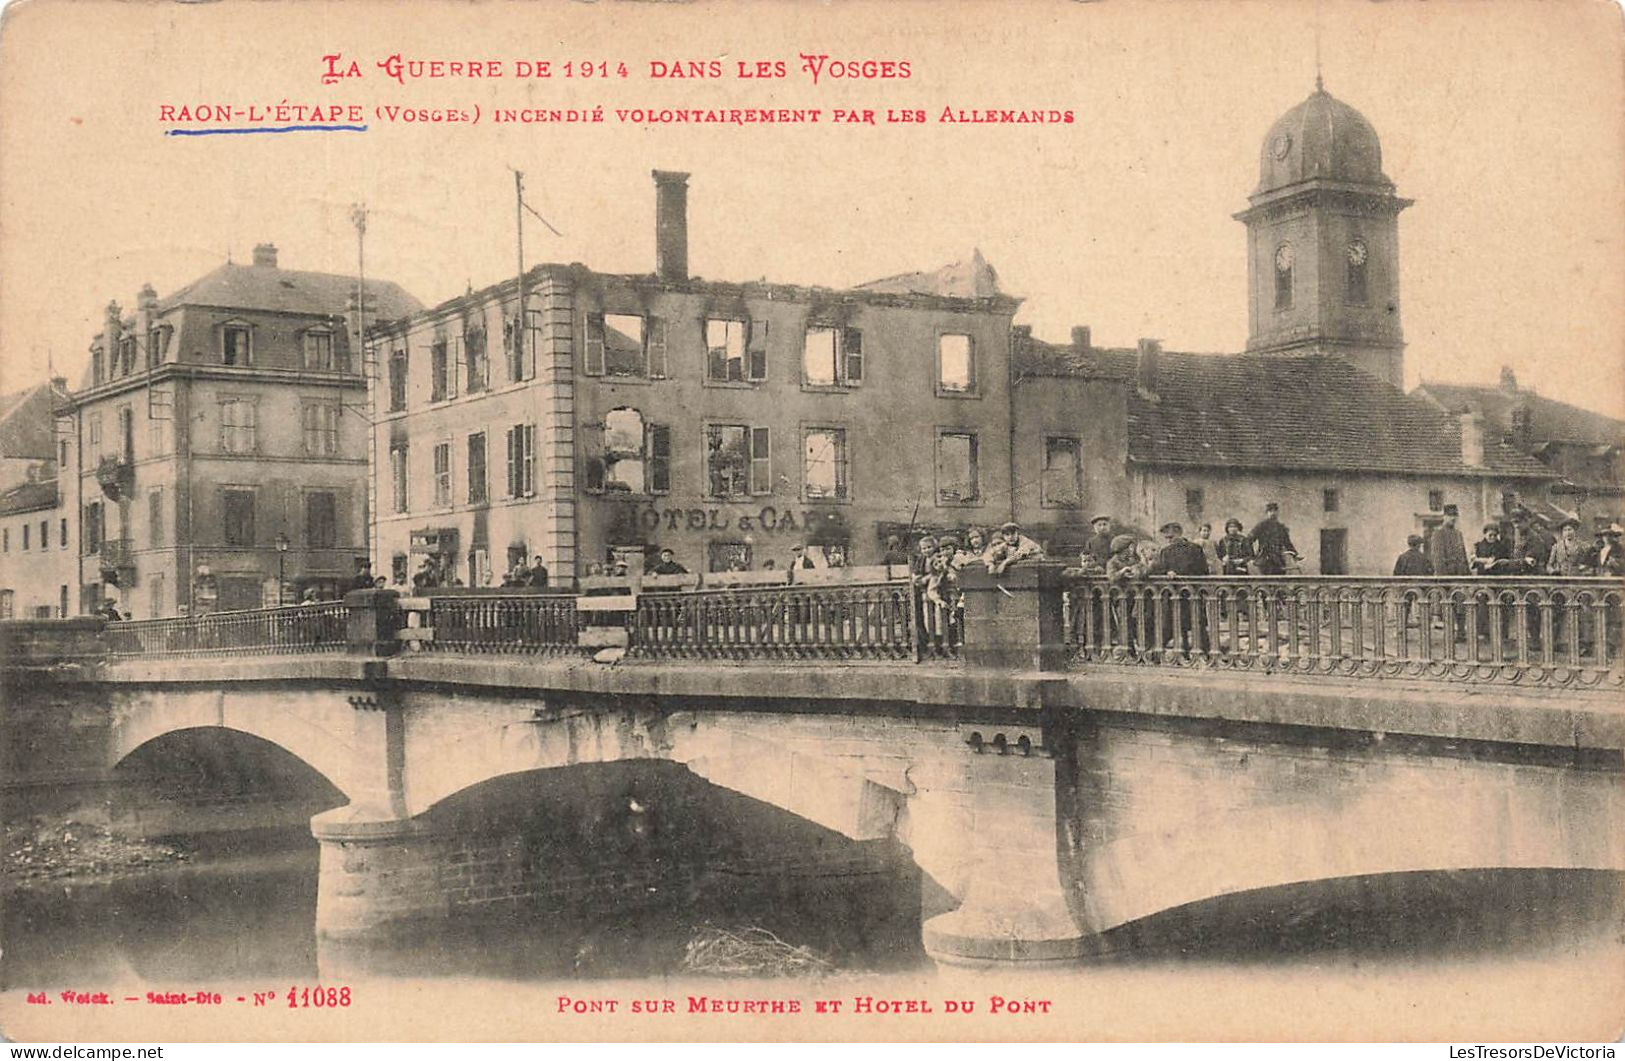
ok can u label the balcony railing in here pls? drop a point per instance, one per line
(117, 552)
(267, 631)
(823, 622)
(1550, 632)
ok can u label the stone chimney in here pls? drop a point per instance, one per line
(146, 312)
(671, 224)
(1081, 342)
(1022, 333)
(112, 331)
(265, 255)
(1146, 365)
(1509, 381)
(1472, 438)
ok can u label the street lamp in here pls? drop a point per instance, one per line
(282, 544)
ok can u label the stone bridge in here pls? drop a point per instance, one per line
(1042, 806)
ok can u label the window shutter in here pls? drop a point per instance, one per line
(852, 346)
(513, 462)
(657, 348)
(761, 465)
(528, 434)
(659, 458)
(757, 341)
(454, 361)
(594, 364)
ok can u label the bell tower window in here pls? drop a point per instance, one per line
(1357, 256)
(1283, 276)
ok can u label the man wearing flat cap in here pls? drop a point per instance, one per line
(1181, 558)
(1011, 547)
(1097, 548)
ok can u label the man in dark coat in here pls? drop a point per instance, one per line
(1097, 548)
(536, 576)
(1272, 542)
(363, 575)
(1181, 558)
(668, 565)
(1412, 563)
(1536, 546)
(1448, 552)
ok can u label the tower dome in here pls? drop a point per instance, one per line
(1321, 138)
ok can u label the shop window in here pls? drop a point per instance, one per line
(956, 369)
(824, 464)
(832, 357)
(737, 460)
(1063, 472)
(957, 473)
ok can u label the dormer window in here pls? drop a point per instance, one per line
(319, 349)
(236, 344)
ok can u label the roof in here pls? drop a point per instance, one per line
(266, 287)
(1549, 420)
(27, 424)
(1278, 412)
(28, 497)
(973, 278)
(1321, 138)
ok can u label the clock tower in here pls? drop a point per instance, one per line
(1323, 242)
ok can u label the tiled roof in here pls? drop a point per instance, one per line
(28, 497)
(1549, 420)
(1257, 411)
(27, 426)
(260, 287)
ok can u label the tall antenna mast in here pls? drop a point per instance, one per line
(518, 352)
(358, 217)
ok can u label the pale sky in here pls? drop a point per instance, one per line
(1503, 121)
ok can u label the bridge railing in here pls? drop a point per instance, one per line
(874, 621)
(304, 628)
(527, 624)
(1557, 632)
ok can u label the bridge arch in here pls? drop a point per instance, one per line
(1383, 832)
(317, 729)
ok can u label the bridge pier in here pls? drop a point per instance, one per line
(1014, 909)
(375, 871)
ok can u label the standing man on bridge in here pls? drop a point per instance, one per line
(1272, 542)
(1181, 558)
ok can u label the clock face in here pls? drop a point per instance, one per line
(1357, 252)
(1283, 257)
(1281, 144)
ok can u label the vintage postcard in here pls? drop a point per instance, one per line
(1035, 521)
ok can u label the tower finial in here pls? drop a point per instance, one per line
(1320, 86)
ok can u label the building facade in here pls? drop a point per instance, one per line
(725, 421)
(1581, 447)
(222, 440)
(38, 539)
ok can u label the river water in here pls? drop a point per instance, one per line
(1467, 957)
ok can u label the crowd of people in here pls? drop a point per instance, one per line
(1530, 550)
